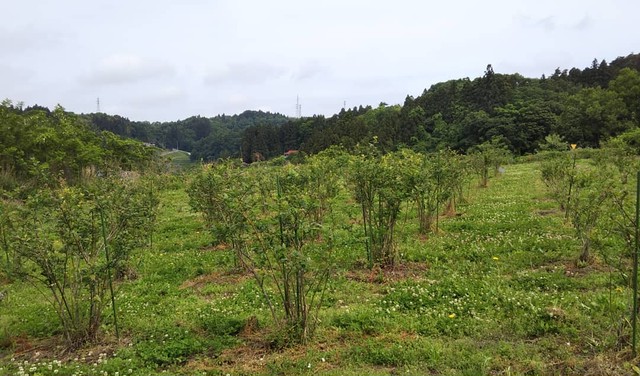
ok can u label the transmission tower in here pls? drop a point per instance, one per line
(98, 104)
(298, 107)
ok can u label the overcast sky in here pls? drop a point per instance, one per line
(161, 60)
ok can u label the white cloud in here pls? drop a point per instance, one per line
(237, 99)
(250, 73)
(585, 23)
(161, 97)
(170, 59)
(309, 70)
(28, 38)
(125, 69)
(547, 23)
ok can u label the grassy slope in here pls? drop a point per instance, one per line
(178, 158)
(496, 292)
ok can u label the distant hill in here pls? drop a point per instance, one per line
(583, 106)
(205, 138)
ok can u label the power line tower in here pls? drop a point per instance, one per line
(298, 107)
(98, 104)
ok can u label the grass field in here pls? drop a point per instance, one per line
(497, 291)
(178, 158)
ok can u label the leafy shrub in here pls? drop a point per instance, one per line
(75, 240)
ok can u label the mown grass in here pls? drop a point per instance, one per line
(496, 291)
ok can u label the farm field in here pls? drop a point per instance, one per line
(497, 291)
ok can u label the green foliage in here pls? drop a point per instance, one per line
(628, 140)
(10, 263)
(397, 354)
(593, 115)
(379, 185)
(488, 157)
(169, 347)
(433, 180)
(627, 86)
(558, 172)
(581, 192)
(218, 324)
(586, 206)
(38, 148)
(277, 222)
(553, 142)
(223, 193)
(72, 241)
(461, 114)
(495, 292)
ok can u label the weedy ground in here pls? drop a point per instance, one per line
(496, 291)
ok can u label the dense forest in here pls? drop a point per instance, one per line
(205, 138)
(582, 106)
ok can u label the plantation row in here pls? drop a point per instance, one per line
(279, 222)
(284, 227)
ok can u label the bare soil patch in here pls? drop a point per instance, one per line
(218, 277)
(408, 270)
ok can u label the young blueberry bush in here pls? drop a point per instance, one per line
(433, 180)
(73, 240)
(224, 193)
(488, 157)
(279, 222)
(379, 184)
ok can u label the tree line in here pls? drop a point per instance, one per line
(584, 107)
(205, 138)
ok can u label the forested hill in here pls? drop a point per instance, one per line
(583, 106)
(205, 138)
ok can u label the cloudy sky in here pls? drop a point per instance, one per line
(160, 60)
